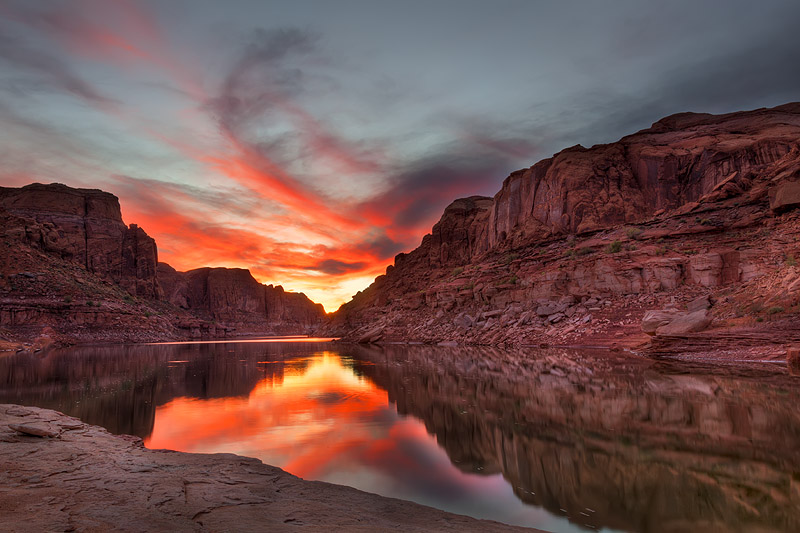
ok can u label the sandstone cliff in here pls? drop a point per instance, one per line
(233, 297)
(69, 263)
(83, 226)
(579, 246)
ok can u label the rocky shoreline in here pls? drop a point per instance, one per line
(77, 477)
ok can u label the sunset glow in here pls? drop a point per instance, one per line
(272, 138)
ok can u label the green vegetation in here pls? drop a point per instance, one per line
(511, 280)
(661, 250)
(584, 251)
(148, 314)
(790, 260)
(633, 233)
(508, 258)
(90, 303)
(457, 271)
(614, 248)
(775, 310)
(128, 298)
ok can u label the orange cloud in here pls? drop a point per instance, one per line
(288, 229)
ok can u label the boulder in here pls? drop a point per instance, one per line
(686, 323)
(371, 336)
(653, 320)
(35, 430)
(463, 321)
(704, 302)
(785, 196)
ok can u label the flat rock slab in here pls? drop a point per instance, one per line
(90, 480)
(36, 430)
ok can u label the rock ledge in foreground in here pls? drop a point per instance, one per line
(86, 479)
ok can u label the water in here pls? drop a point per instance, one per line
(562, 440)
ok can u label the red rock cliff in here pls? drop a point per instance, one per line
(83, 226)
(231, 296)
(577, 247)
(69, 262)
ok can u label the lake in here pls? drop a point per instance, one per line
(559, 439)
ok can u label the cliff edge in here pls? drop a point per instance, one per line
(696, 214)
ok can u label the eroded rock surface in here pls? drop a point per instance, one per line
(89, 480)
(69, 263)
(83, 226)
(233, 298)
(577, 248)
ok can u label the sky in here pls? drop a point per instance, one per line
(312, 141)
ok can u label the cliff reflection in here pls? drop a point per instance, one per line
(602, 440)
(644, 445)
(119, 387)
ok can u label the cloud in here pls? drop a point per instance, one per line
(337, 268)
(50, 69)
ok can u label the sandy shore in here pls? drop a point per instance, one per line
(82, 478)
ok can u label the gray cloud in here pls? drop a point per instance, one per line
(335, 267)
(50, 69)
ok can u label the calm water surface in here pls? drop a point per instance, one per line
(562, 440)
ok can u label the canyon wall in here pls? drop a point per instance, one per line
(580, 245)
(85, 227)
(232, 296)
(70, 263)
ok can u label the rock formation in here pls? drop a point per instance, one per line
(85, 479)
(83, 226)
(233, 297)
(579, 246)
(70, 263)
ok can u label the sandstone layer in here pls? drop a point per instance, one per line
(577, 248)
(82, 478)
(70, 264)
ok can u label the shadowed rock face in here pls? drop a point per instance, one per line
(695, 205)
(83, 226)
(231, 296)
(676, 161)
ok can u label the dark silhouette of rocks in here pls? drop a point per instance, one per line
(233, 297)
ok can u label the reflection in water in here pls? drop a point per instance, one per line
(583, 439)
